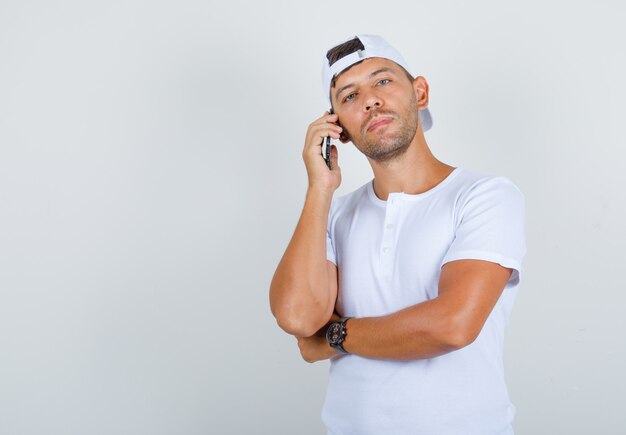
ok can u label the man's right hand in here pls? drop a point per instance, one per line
(319, 174)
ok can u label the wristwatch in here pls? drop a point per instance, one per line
(336, 334)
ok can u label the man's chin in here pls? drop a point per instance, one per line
(384, 151)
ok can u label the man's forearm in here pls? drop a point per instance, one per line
(425, 330)
(467, 293)
(299, 293)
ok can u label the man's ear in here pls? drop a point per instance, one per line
(420, 86)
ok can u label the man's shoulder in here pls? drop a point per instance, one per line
(472, 182)
(478, 191)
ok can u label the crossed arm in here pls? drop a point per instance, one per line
(468, 291)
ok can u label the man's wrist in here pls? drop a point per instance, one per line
(320, 192)
(336, 333)
(332, 352)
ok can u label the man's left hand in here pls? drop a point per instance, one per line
(316, 347)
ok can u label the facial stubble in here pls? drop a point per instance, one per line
(389, 148)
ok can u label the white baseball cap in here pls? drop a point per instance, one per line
(374, 46)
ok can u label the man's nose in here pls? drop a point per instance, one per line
(372, 101)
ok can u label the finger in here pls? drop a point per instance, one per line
(332, 133)
(318, 136)
(328, 115)
(326, 130)
(326, 118)
(334, 156)
(323, 129)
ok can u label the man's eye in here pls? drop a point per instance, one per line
(350, 97)
(384, 80)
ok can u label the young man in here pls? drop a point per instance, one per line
(406, 284)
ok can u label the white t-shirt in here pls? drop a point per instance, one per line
(389, 256)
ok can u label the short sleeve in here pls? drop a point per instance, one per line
(490, 226)
(330, 249)
(331, 254)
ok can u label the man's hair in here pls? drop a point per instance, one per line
(346, 48)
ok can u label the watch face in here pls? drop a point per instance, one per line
(334, 333)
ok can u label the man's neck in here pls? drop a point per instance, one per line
(416, 171)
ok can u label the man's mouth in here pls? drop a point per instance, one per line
(379, 122)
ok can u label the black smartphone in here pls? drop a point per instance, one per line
(327, 149)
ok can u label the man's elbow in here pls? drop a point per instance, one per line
(297, 317)
(460, 334)
(299, 325)
(294, 327)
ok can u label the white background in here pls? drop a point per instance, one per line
(151, 178)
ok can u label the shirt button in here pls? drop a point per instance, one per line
(385, 249)
(389, 226)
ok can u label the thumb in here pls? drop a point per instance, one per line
(334, 156)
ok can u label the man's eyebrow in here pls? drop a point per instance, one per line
(349, 85)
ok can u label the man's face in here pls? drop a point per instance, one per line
(377, 108)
